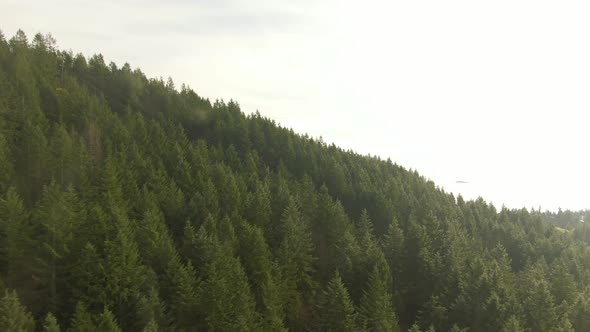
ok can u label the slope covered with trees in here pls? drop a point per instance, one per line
(128, 203)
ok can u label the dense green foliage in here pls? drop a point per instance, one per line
(130, 204)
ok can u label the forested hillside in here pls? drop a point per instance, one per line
(129, 203)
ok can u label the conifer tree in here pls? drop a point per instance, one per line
(415, 328)
(50, 324)
(122, 270)
(539, 305)
(376, 308)
(258, 208)
(512, 325)
(188, 242)
(155, 243)
(563, 286)
(580, 316)
(393, 244)
(368, 254)
(227, 299)
(58, 216)
(82, 320)
(418, 258)
(85, 286)
(16, 238)
(334, 239)
(13, 315)
(337, 310)
(107, 322)
(151, 309)
(262, 272)
(564, 325)
(184, 298)
(295, 258)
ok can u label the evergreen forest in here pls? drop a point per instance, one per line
(129, 203)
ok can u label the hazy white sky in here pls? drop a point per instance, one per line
(496, 93)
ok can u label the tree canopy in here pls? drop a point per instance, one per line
(132, 203)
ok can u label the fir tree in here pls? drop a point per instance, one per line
(295, 258)
(227, 298)
(107, 322)
(376, 306)
(50, 324)
(16, 238)
(512, 325)
(82, 320)
(13, 315)
(337, 310)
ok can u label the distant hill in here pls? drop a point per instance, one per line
(130, 202)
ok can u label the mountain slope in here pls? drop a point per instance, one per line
(129, 202)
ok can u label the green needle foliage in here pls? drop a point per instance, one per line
(129, 203)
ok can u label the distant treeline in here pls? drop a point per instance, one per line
(567, 219)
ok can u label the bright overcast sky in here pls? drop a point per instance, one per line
(496, 93)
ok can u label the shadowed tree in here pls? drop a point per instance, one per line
(295, 258)
(227, 299)
(376, 308)
(82, 320)
(15, 239)
(336, 309)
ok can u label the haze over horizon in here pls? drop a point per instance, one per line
(493, 94)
